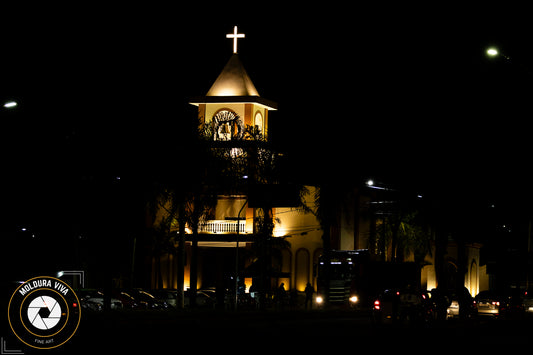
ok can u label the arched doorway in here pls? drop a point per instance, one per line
(474, 281)
(301, 269)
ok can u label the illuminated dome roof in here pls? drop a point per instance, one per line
(233, 81)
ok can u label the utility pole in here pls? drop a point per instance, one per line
(236, 300)
(528, 258)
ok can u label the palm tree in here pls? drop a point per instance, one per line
(328, 205)
(197, 208)
(169, 200)
(177, 195)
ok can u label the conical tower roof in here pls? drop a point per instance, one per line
(233, 81)
(233, 85)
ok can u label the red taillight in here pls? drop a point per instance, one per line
(377, 304)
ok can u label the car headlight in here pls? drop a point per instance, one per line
(354, 299)
(319, 299)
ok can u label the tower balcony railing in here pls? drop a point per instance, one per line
(222, 226)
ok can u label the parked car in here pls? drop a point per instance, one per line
(93, 300)
(167, 295)
(527, 303)
(146, 300)
(405, 306)
(490, 304)
(89, 305)
(514, 304)
(386, 307)
(128, 301)
(462, 304)
(203, 298)
(453, 310)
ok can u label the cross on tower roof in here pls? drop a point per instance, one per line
(235, 36)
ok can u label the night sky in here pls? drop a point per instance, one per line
(404, 95)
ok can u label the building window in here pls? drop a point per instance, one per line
(258, 123)
(227, 125)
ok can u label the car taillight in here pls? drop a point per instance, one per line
(377, 305)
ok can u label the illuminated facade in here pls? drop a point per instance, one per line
(233, 112)
(358, 226)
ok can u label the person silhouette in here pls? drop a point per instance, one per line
(309, 290)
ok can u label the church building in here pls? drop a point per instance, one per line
(231, 112)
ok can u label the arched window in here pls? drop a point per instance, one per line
(227, 125)
(258, 123)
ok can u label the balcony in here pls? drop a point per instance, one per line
(221, 226)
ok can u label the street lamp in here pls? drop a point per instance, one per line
(492, 52)
(371, 184)
(10, 104)
(495, 53)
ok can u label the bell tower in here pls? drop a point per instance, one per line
(233, 108)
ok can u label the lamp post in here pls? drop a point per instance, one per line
(237, 255)
(494, 52)
(524, 69)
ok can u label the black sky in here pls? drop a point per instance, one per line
(402, 93)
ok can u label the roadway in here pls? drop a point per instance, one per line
(281, 331)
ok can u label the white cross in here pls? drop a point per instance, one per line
(235, 36)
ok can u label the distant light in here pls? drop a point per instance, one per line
(10, 104)
(23, 229)
(492, 52)
(370, 183)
